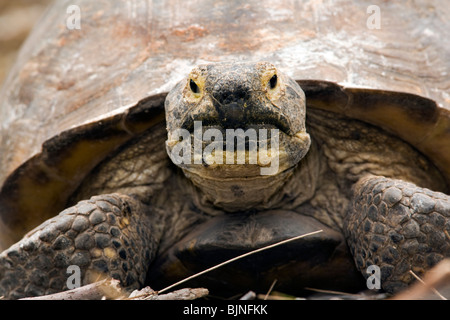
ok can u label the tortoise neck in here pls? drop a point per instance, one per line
(287, 189)
(234, 194)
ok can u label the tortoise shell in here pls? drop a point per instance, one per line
(76, 95)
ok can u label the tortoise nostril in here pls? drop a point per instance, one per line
(273, 81)
(226, 92)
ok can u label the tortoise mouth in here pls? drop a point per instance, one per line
(242, 132)
(236, 140)
(266, 120)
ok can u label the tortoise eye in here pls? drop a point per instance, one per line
(273, 81)
(194, 87)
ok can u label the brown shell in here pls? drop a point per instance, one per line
(75, 95)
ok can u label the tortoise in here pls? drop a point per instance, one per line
(103, 165)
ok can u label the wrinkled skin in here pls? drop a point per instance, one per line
(375, 197)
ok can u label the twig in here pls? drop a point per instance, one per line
(448, 235)
(182, 294)
(278, 297)
(237, 258)
(109, 288)
(141, 294)
(271, 288)
(437, 277)
(432, 288)
(330, 291)
(248, 296)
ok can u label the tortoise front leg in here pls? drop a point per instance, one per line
(398, 227)
(108, 235)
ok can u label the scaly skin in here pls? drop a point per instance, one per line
(108, 235)
(398, 227)
(349, 176)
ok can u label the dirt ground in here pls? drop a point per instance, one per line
(17, 18)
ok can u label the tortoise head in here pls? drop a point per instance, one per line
(237, 130)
